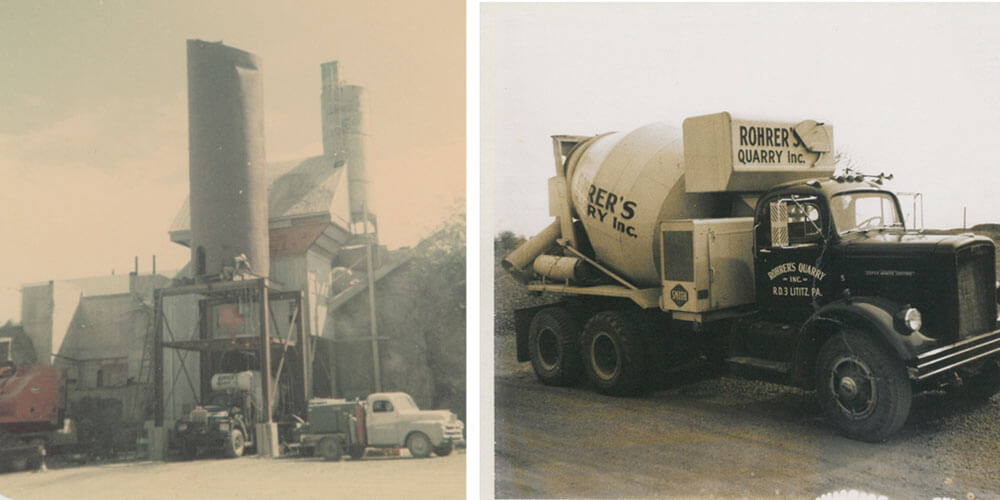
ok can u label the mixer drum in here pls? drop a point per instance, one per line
(623, 185)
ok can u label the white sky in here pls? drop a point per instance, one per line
(910, 89)
(93, 118)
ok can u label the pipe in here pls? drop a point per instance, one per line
(561, 268)
(524, 255)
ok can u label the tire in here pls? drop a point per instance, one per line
(235, 445)
(357, 452)
(330, 448)
(983, 385)
(614, 353)
(419, 445)
(553, 343)
(444, 450)
(862, 388)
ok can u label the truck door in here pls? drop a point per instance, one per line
(789, 257)
(383, 423)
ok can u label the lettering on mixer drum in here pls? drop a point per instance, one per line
(611, 208)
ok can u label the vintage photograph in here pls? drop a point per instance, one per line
(743, 250)
(234, 250)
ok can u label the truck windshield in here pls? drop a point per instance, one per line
(863, 211)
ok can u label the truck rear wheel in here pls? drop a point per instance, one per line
(330, 448)
(553, 342)
(613, 352)
(862, 387)
(419, 445)
(235, 444)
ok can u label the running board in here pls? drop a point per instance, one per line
(761, 364)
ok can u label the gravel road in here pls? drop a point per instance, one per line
(705, 435)
(248, 478)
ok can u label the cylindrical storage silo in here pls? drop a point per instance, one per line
(623, 185)
(226, 143)
(355, 139)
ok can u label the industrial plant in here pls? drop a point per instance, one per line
(288, 296)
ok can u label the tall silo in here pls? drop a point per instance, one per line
(345, 136)
(226, 144)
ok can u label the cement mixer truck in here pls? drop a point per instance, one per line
(738, 236)
(226, 420)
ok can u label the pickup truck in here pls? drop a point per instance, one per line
(382, 420)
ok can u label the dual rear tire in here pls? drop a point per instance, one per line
(609, 349)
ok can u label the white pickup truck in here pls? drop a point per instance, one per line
(383, 420)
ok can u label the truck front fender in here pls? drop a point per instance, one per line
(871, 315)
(432, 428)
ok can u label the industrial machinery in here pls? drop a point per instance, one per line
(383, 420)
(738, 236)
(226, 419)
(29, 414)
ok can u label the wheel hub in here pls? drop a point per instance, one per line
(848, 387)
(548, 348)
(605, 358)
(854, 387)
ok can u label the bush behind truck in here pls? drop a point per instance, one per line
(737, 237)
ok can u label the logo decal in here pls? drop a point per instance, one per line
(679, 295)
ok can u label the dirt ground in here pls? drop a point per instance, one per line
(707, 435)
(247, 478)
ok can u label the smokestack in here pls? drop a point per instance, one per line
(345, 135)
(226, 141)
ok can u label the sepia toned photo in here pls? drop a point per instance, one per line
(234, 250)
(742, 250)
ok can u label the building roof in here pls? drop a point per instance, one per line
(297, 188)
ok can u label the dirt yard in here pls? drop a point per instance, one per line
(248, 478)
(705, 435)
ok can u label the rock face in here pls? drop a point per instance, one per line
(420, 315)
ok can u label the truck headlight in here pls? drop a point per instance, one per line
(910, 319)
(224, 426)
(182, 427)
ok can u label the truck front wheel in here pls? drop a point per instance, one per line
(553, 342)
(613, 353)
(419, 445)
(444, 450)
(235, 444)
(861, 387)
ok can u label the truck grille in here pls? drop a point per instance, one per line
(199, 416)
(976, 291)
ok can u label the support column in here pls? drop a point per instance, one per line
(265, 352)
(204, 357)
(158, 357)
(304, 363)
